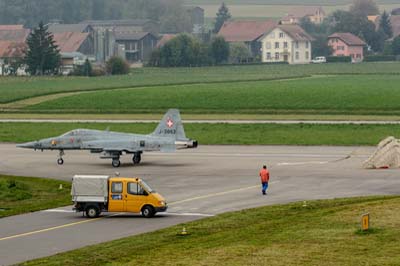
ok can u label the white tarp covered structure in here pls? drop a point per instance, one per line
(386, 155)
(89, 188)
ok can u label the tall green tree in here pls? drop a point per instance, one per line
(222, 16)
(238, 52)
(385, 25)
(220, 49)
(42, 56)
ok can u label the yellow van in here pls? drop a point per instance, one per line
(94, 194)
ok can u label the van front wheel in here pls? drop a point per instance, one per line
(148, 211)
(92, 211)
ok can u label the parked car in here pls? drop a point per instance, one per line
(319, 59)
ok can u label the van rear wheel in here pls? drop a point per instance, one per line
(148, 211)
(92, 211)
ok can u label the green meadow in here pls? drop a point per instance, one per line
(27, 194)
(344, 94)
(19, 88)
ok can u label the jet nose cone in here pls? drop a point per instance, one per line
(28, 145)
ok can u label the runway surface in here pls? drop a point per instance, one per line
(196, 183)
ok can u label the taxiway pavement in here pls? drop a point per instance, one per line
(197, 183)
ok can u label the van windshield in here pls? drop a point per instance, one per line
(147, 187)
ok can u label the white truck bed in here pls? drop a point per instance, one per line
(89, 188)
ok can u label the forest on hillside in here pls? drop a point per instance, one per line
(31, 12)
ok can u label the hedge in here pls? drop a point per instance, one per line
(377, 58)
(335, 59)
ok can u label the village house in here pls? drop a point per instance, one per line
(106, 31)
(12, 47)
(315, 14)
(247, 32)
(135, 46)
(286, 43)
(347, 44)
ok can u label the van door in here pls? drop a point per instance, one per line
(116, 201)
(136, 197)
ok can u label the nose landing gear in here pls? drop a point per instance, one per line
(115, 162)
(60, 160)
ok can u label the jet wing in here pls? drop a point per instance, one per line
(129, 145)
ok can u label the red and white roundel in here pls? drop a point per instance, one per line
(170, 123)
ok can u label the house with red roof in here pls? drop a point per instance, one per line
(12, 45)
(286, 43)
(316, 14)
(247, 32)
(69, 42)
(347, 44)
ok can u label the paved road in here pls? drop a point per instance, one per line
(196, 183)
(188, 121)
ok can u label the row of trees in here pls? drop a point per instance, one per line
(171, 13)
(185, 50)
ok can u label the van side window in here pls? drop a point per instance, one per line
(116, 187)
(133, 188)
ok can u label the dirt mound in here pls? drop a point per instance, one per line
(386, 155)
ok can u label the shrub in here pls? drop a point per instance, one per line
(336, 59)
(84, 70)
(117, 66)
(98, 71)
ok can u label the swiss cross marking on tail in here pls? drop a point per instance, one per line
(170, 123)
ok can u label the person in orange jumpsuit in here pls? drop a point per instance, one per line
(264, 174)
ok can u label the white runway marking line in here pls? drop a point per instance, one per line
(57, 210)
(217, 194)
(301, 163)
(185, 214)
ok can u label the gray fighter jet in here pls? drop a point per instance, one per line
(168, 136)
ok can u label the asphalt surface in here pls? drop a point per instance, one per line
(197, 183)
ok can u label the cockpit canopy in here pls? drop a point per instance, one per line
(76, 132)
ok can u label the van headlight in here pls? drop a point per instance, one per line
(162, 203)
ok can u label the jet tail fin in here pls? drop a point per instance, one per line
(171, 126)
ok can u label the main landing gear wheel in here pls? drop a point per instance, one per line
(136, 158)
(60, 161)
(116, 163)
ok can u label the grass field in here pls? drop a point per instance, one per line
(13, 89)
(251, 134)
(360, 94)
(323, 233)
(24, 194)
